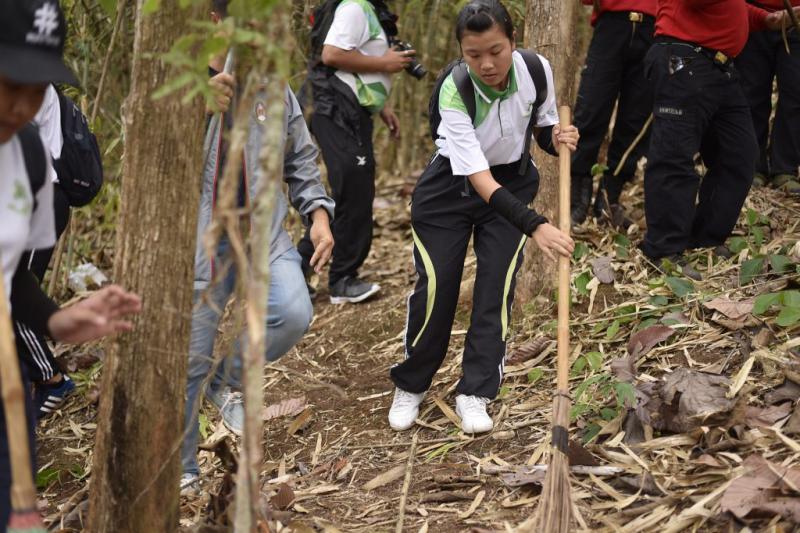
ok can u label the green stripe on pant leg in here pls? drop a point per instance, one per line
(431, 273)
(507, 289)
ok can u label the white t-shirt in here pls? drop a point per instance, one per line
(49, 121)
(22, 227)
(501, 120)
(356, 26)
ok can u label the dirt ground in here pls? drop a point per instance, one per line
(320, 464)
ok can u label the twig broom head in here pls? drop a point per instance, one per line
(555, 504)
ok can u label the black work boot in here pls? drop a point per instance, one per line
(606, 208)
(581, 194)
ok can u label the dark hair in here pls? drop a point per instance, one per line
(480, 15)
(220, 7)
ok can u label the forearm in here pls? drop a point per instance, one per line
(351, 60)
(484, 184)
(29, 304)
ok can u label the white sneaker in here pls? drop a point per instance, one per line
(404, 410)
(472, 410)
(190, 484)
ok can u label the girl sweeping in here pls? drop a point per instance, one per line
(478, 185)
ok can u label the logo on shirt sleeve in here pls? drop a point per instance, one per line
(20, 202)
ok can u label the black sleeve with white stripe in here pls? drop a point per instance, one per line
(29, 303)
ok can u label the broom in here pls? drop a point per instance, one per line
(555, 503)
(24, 516)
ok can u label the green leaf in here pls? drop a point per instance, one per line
(780, 264)
(592, 431)
(109, 6)
(581, 249)
(790, 298)
(612, 330)
(534, 375)
(503, 392)
(204, 426)
(789, 316)
(46, 476)
(622, 253)
(646, 323)
(595, 360)
(599, 169)
(658, 301)
(578, 365)
(737, 244)
(680, 287)
(758, 235)
(626, 396)
(173, 85)
(622, 240)
(581, 283)
(750, 269)
(765, 301)
(607, 413)
(752, 217)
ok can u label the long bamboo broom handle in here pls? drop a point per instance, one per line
(564, 223)
(23, 493)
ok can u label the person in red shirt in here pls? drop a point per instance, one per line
(699, 106)
(614, 74)
(764, 58)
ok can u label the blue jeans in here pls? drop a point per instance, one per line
(289, 314)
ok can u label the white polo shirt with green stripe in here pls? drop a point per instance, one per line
(501, 119)
(356, 27)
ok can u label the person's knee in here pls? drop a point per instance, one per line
(289, 327)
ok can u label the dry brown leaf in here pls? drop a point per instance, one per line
(602, 269)
(528, 351)
(734, 310)
(708, 460)
(643, 341)
(300, 423)
(284, 498)
(520, 478)
(579, 456)
(624, 369)
(764, 488)
(288, 407)
(691, 399)
(766, 416)
(789, 390)
(387, 477)
(793, 425)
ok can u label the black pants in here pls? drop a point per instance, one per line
(350, 161)
(5, 463)
(699, 107)
(445, 213)
(762, 60)
(32, 348)
(614, 70)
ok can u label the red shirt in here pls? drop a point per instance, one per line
(648, 7)
(722, 25)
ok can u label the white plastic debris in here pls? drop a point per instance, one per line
(85, 277)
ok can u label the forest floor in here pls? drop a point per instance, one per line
(687, 390)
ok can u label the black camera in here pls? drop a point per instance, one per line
(414, 68)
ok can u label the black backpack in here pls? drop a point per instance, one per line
(467, 91)
(80, 167)
(34, 155)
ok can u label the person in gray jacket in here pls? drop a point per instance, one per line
(289, 309)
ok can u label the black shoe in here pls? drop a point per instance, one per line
(612, 214)
(678, 263)
(352, 290)
(581, 197)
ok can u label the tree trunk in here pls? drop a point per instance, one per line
(550, 30)
(136, 465)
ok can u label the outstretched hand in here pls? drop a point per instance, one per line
(101, 314)
(552, 241)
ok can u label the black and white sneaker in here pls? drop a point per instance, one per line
(352, 290)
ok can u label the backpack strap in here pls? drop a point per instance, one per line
(34, 156)
(465, 88)
(536, 70)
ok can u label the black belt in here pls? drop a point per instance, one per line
(632, 16)
(718, 57)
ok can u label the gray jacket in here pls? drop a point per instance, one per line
(300, 172)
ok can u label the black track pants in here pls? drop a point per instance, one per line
(445, 213)
(762, 60)
(614, 70)
(699, 107)
(32, 348)
(351, 175)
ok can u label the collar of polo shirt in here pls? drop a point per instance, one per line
(490, 94)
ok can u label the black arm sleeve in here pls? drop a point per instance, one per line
(544, 138)
(29, 304)
(513, 210)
